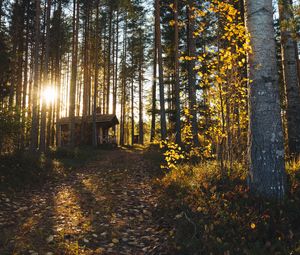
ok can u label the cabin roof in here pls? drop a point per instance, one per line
(110, 119)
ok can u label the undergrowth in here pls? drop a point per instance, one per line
(24, 169)
(214, 213)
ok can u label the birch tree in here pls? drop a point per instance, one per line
(266, 146)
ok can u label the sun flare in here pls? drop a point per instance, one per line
(49, 95)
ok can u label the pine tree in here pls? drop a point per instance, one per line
(35, 112)
(163, 124)
(290, 71)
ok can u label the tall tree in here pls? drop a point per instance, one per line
(58, 46)
(45, 79)
(25, 83)
(1, 3)
(290, 74)
(140, 77)
(163, 123)
(86, 71)
(267, 171)
(35, 113)
(124, 82)
(116, 65)
(72, 94)
(154, 85)
(191, 46)
(96, 38)
(109, 59)
(177, 79)
(132, 101)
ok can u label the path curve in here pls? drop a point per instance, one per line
(106, 207)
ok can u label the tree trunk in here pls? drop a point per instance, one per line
(177, 79)
(25, 83)
(266, 147)
(109, 61)
(141, 122)
(95, 139)
(86, 74)
(116, 67)
(19, 79)
(42, 147)
(104, 72)
(132, 111)
(154, 84)
(35, 117)
(1, 14)
(58, 72)
(123, 92)
(72, 96)
(191, 72)
(15, 30)
(163, 122)
(290, 74)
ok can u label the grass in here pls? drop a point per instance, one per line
(215, 213)
(72, 158)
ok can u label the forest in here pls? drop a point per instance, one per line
(149, 127)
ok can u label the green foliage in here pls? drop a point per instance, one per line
(10, 129)
(4, 66)
(23, 169)
(216, 214)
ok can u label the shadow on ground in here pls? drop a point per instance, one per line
(104, 206)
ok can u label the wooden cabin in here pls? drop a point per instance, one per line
(105, 125)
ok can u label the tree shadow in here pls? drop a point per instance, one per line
(97, 200)
(33, 224)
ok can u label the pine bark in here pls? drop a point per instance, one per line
(116, 66)
(58, 72)
(35, 118)
(132, 111)
(163, 123)
(123, 92)
(1, 14)
(25, 80)
(154, 85)
(72, 96)
(141, 121)
(191, 44)
(177, 79)
(290, 74)
(95, 139)
(109, 61)
(132, 94)
(42, 147)
(86, 74)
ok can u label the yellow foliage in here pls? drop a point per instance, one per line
(172, 23)
(220, 66)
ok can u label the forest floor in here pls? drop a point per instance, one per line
(106, 206)
(119, 201)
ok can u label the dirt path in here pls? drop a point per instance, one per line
(105, 207)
